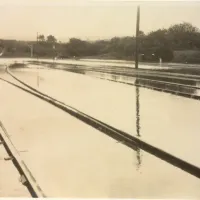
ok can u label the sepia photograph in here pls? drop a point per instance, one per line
(100, 99)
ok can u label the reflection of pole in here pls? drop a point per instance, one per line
(137, 112)
(138, 124)
(136, 39)
(139, 159)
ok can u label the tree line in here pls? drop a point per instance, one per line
(49, 38)
(161, 43)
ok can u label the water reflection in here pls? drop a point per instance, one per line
(135, 81)
(138, 127)
(121, 79)
(171, 85)
(137, 111)
(167, 84)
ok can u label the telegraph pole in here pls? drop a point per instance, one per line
(38, 77)
(136, 39)
(137, 88)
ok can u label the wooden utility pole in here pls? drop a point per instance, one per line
(136, 39)
(38, 77)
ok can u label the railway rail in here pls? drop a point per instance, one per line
(122, 69)
(129, 71)
(26, 177)
(162, 89)
(134, 73)
(143, 74)
(121, 136)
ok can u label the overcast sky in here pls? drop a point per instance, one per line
(22, 19)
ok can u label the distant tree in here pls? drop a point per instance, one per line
(161, 43)
(183, 28)
(77, 47)
(165, 53)
(183, 35)
(41, 38)
(156, 38)
(51, 39)
(158, 33)
(141, 33)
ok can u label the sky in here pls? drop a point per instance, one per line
(94, 19)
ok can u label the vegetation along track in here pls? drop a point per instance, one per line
(125, 138)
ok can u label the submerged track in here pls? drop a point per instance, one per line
(125, 138)
(26, 178)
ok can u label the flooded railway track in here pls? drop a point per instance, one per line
(184, 86)
(26, 177)
(146, 72)
(127, 71)
(178, 89)
(121, 136)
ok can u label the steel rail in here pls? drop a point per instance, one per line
(27, 178)
(126, 139)
(158, 81)
(138, 77)
(137, 73)
(175, 92)
(156, 71)
(132, 70)
(145, 71)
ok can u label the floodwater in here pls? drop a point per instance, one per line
(150, 64)
(163, 117)
(150, 82)
(70, 159)
(104, 63)
(9, 178)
